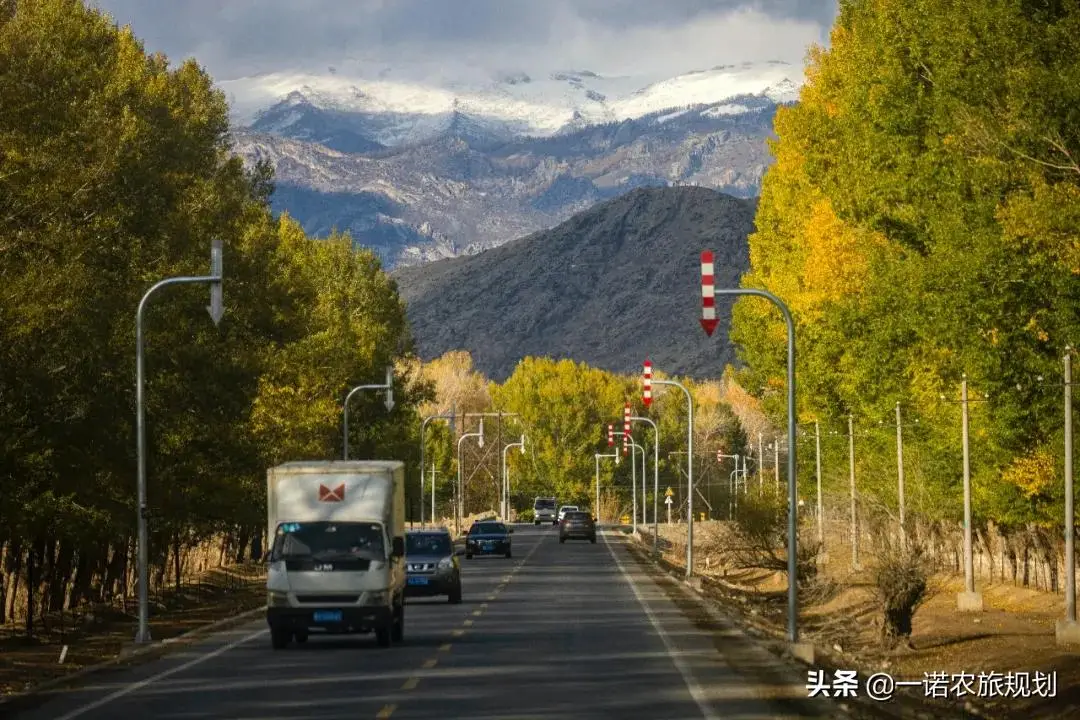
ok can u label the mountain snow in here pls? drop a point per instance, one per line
(511, 104)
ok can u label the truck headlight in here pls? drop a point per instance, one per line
(275, 598)
(376, 598)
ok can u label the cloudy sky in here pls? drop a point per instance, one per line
(235, 38)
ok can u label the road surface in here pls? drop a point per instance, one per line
(569, 631)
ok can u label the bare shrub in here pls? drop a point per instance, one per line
(902, 583)
(759, 536)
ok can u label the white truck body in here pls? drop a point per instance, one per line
(333, 527)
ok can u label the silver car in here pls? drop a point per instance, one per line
(565, 509)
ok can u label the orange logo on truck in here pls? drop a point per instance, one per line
(335, 495)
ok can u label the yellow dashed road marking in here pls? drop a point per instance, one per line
(457, 633)
(428, 664)
(484, 605)
(386, 711)
(411, 683)
(445, 647)
(468, 623)
(477, 613)
(491, 597)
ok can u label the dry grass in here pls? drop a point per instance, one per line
(101, 634)
(1014, 633)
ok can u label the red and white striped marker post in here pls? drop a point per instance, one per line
(611, 435)
(708, 293)
(626, 430)
(646, 396)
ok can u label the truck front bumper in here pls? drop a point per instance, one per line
(347, 619)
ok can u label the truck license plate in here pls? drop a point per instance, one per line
(327, 616)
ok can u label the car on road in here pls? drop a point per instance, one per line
(544, 510)
(577, 525)
(488, 538)
(565, 509)
(431, 566)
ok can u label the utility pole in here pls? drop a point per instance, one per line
(1067, 630)
(820, 502)
(761, 462)
(969, 600)
(900, 474)
(776, 463)
(854, 508)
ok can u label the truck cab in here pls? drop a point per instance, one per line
(336, 560)
(545, 509)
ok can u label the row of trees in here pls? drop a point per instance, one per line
(564, 408)
(116, 172)
(921, 222)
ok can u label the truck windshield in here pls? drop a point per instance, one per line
(544, 504)
(324, 540)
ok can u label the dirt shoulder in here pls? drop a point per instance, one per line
(105, 633)
(1015, 633)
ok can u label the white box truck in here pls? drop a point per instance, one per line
(336, 557)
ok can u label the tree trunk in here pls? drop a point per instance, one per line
(177, 566)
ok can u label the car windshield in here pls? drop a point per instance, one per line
(577, 516)
(429, 544)
(488, 529)
(569, 508)
(324, 540)
(544, 504)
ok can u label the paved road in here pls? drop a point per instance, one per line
(570, 631)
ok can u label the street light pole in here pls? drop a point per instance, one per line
(459, 510)
(793, 491)
(216, 310)
(633, 476)
(689, 475)
(388, 386)
(969, 600)
(423, 426)
(505, 480)
(656, 482)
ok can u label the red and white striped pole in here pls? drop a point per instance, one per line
(708, 293)
(647, 383)
(626, 430)
(611, 435)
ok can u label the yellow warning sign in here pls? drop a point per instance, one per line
(669, 492)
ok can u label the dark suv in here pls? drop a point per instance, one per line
(488, 538)
(431, 566)
(577, 525)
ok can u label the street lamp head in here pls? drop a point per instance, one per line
(481, 440)
(523, 443)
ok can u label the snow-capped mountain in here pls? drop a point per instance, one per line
(423, 170)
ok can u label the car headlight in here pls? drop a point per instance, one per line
(376, 598)
(275, 598)
(446, 563)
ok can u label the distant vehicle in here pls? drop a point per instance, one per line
(431, 566)
(337, 559)
(488, 538)
(565, 509)
(577, 525)
(544, 510)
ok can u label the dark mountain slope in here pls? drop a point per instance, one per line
(608, 286)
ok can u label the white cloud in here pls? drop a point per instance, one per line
(457, 38)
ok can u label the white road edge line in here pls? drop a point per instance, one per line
(134, 687)
(684, 670)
